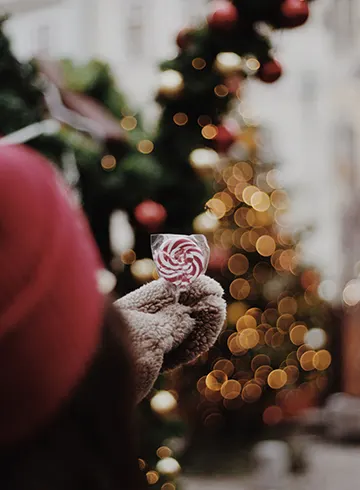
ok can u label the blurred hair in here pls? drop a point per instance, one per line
(90, 444)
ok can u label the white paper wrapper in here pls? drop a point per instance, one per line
(180, 259)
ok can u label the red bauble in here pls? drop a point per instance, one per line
(150, 214)
(184, 38)
(295, 12)
(270, 72)
(224, 16)
(224, 139)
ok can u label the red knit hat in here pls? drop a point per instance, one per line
(50, 306)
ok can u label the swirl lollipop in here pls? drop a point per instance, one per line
(180, 259)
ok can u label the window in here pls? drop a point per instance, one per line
(136, 29)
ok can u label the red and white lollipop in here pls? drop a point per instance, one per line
(180, 261)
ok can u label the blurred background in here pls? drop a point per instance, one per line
(238, 120)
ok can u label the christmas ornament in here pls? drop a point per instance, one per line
(150, 214)
(204, 159)
(270, 71)
(228, 63)
(180, 259)
(224, 16)
(295, 12)
(224, 139)
(171, 84)
(183, 39)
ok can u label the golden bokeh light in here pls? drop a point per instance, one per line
(212, 396)
(307, 360)
(238, 264)
(277, 379)
(234, 345)
(260, 201)
(226, 199)
(198, 63)
(274, 179)
(128, 123)
(262, 373)
(180, 119)
(260, 360)
(221, 90)
(231, 389)
(297, 334)
(168, 486)
(164, 452)
(240, 217)
(128, 257)
(270, 316)
(279, 199)
(206, 223)
(322, 360)
(245, 322)
(240, 289)
(248, 193)
(249, 338)
(251, 392)
(209, 132)
(351, 293)
(143, 270)
(252, 64)
(142, 464)
(247, 241)
(284, 323)
(225, 366)
(152, 477)
(266, 245)
(235, 311)
(145, 147)
(217, 207)
(201, 384)
(287, 305)
(243, 171)
(215, 380)
(108, 162)
(292, 373)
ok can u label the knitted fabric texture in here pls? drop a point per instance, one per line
(166, 333)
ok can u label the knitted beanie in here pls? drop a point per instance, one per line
(50, 306)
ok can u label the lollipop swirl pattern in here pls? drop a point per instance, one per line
(180, 261)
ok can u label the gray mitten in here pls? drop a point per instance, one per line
(166, 333)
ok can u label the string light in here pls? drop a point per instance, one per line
(198, 63)
(163, 402)
(228, 63)
(108, 162)
(180, 118)
(171, 83)
(128, 123)
(145, 146)
(204, 159)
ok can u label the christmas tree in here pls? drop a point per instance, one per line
(267, 354)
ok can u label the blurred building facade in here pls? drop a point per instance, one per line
(312, 111)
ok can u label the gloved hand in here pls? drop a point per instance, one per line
(165, 333)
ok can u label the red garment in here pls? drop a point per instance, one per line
(50, 306)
